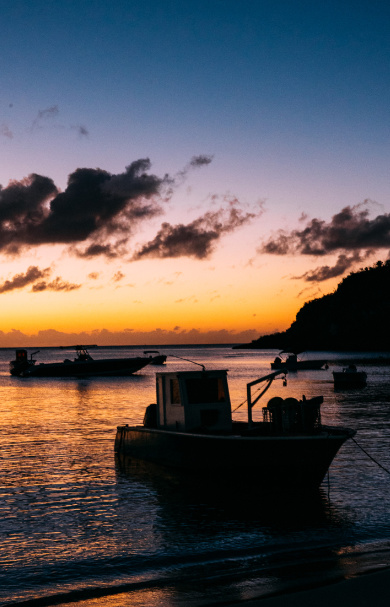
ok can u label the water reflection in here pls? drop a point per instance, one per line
(212, 506)
(262, 542)
(73, 518)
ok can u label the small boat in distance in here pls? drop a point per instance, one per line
(292, 363)
(190, 427)
(158, 359)
(82, 366)
(350, 377)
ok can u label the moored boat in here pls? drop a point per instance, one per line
(157, 359)
(190, 427)
(350, 377)
(292, 363)
(83, 365)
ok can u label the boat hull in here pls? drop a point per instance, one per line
(271, 460)
(342, 379)
(87, 368)
(300, 365)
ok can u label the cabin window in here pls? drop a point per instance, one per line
(175, 392)
(205, 390)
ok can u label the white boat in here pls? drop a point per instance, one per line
(190, 427)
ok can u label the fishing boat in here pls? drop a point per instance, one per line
(83, 365)
(291, 362)
(157, 359)
(190, 427)
(349, 377)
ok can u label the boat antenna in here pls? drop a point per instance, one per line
(189, 361)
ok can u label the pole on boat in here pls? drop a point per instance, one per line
(270, 378)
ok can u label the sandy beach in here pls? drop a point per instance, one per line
(369, 589)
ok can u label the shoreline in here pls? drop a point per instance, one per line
(371, 589)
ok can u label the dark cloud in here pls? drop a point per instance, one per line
(195, 163)
(19, 281)
(344, 263)
(94, 275)
(96, 206)
(36, 277)
(55, 285)
(196, 239)
(23, 208)
(110, 251)
(201, 160)
(349, 230)
(351, 233)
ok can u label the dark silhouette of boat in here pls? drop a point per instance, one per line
(350, 377)
(292, 363)
(190, 427)
(158, 359)
(82, 366)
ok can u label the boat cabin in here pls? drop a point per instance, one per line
(189, 401)
(21, 356)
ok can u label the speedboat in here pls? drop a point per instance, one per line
(291, 362)
(190, 427)
(83, 365)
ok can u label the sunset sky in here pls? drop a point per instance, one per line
(182, 171)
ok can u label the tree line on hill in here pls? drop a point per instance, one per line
(355, 317)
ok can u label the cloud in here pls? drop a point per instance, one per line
(55, 285)
(94, 275)
(118, 276)
(196, 239)
(19, 281)
(349, 231)
(110, 251)
(6, 132)
(43, 115)
(98, 213)
(97, 207)
(344, 262)
(81, 130)
(177, 336)
(201, 160)
(196, 162)
(36, 277)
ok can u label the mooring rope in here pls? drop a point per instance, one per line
(370, 456)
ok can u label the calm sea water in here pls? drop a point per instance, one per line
(80, 527)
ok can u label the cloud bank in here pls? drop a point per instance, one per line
(351, 233)
(98, 213)
(128, 337)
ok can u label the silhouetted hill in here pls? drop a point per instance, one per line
(355, 317)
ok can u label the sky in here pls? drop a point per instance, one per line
(187, 171)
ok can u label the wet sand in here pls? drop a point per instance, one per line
(369, 589)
